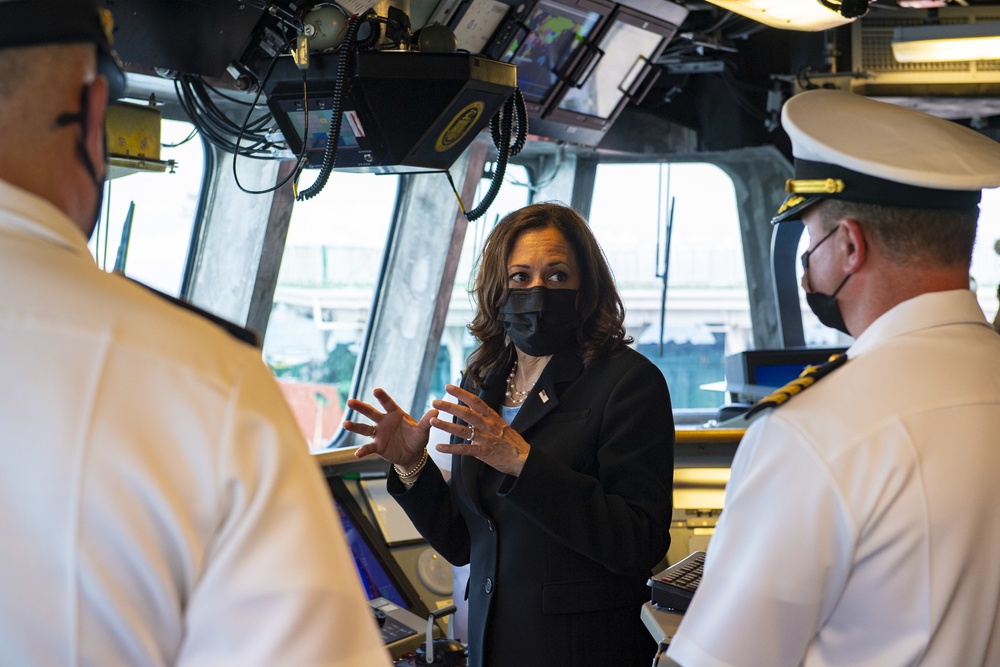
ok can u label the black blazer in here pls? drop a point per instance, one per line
(560, 555)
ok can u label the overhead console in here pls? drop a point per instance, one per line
(400, 111)
(352, 89)
(337, 85)
(579, 62)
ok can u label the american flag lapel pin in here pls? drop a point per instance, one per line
(542, 395)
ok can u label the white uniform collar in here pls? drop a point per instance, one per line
(31, 215)
(926, 311)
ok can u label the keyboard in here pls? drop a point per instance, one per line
(392, 630)
(673, 588)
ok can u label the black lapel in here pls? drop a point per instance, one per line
(563, 368)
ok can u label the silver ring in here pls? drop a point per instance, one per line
(472, 434)
(374, 431)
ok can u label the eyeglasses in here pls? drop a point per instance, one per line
(805, 256)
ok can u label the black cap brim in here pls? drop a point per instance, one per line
(792, 210)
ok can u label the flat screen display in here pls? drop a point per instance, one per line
(374, 576)
(753, 371)
(777, 375)
(625, 48)
(555, 33)
(319, 127)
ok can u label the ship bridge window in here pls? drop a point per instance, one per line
(671, 234)
(324, 296)
(151, 244)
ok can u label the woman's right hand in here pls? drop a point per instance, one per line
(396, 436)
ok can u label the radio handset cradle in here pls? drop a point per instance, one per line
(444, 650)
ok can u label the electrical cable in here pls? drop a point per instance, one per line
(543, 182)
(513, 115)
(215, 126)
(347, 47)
(374, 31)
(661, 650)
(294, 173)
(454, 189)
(200, 88)
(183, 141)
(223, 95)
(739, 96)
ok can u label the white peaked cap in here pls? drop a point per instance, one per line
(880, 153)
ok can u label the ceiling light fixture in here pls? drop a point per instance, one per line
(806, 15)
(947, 43)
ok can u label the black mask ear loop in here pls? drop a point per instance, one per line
(81, 148)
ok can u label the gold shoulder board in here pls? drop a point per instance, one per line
(242, 334)
(809, 376)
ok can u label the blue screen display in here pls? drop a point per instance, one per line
(776, 375)
(319, 127)
(373, 575)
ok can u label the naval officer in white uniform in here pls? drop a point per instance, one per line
(860, 526)
(158, 505)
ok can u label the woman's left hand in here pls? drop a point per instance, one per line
(487, 437)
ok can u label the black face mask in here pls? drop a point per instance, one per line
(825, 307)
(540, 321)
(83, 156)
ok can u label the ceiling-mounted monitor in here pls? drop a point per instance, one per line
(583, 112)
(400, 111)
(553, 46)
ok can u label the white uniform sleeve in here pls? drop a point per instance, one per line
(278, 585)
(777, 562)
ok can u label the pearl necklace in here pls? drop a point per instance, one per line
(516, 397)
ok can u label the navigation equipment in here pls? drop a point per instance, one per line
(401, 615)
(753, 374)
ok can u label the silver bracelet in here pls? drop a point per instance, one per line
(406, 476)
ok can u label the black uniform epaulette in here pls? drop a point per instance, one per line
(809, 376)
(243, 334)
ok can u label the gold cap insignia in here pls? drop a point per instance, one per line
(815, 186)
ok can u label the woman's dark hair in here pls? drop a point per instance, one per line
(598, 304)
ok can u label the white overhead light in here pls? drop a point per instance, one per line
(807, 15)
(946, 43)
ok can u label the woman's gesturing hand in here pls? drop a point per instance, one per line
(487, 436)
(395, 435)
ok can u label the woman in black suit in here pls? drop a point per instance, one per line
(561, 487)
